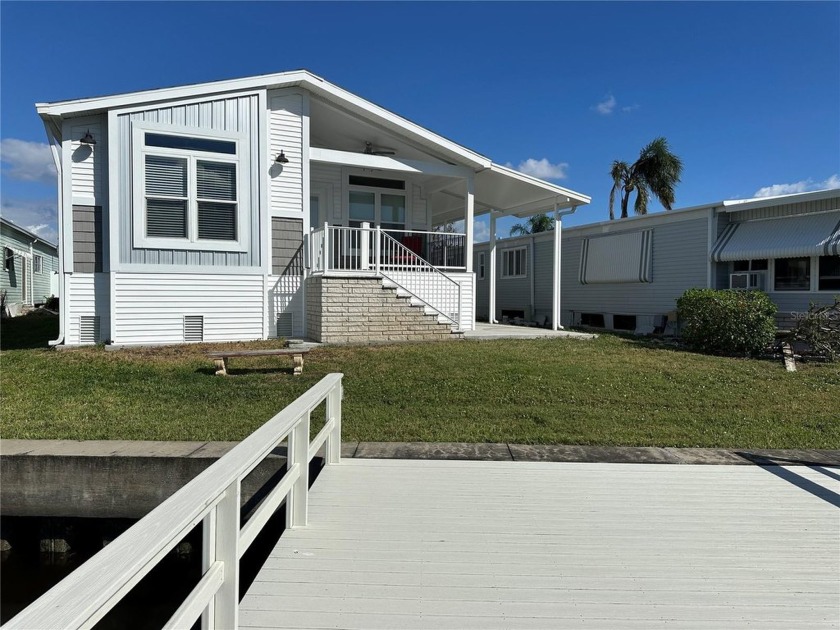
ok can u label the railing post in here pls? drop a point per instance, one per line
(226, 601)
(364, 247)
(377, 248)
(208, 557)
(334, 412)
(297, 505)
(327, 250)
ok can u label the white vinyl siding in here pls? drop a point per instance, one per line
(88, 295)
(87, 162)
(150, 308)
(286, 134)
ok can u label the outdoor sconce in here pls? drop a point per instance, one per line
(87, 138)
(282, 159)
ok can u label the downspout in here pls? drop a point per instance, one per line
(54, 137)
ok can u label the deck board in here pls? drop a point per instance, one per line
(451, 544)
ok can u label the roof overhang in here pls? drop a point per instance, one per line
(299, 78)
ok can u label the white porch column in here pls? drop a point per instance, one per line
(491, 268)
(365, 246)
(555, 303)
(468, 221)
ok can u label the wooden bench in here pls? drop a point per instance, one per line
(221, 358)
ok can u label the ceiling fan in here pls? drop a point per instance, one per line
(372, 150)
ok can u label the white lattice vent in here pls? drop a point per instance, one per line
(193, 327)
(88, 328)
(285, 324)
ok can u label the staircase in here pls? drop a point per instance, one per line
(369, 310)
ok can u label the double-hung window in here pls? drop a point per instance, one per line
(514, 263)
(37, 264)
(188, 188)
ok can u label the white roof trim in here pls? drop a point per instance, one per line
(296, 78)
(34, 237)
(737, 205)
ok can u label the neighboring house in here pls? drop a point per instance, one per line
(627, 274)
(265, 206)
(30, 267)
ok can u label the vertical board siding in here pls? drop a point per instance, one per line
(88, 162)
(150, 308)
(285, 133)
(680, 258)
(88, 294)
(87, 239)
(238, 114)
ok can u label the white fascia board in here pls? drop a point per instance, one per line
(574, 198)
(302, 78)
(386, 163)
(738, 205)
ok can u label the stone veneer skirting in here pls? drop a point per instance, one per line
(361, 310)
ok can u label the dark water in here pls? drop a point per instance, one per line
(26, 573)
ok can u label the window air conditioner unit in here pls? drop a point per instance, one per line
(747, 280)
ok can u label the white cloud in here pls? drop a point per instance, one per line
(606, 106)
(541, 168)
(630, 108)
(40, 216)
(27, 161)
(805, 185)
(481, 229)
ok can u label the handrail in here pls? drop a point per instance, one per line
(428, 283)
(211, 498)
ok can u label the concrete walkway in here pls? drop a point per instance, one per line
(503, 331)
(440, 450)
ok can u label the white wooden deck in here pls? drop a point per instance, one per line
(449, 544)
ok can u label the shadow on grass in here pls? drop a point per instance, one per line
(246, 371)
(34, 330)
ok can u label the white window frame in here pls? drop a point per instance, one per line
(138, 180)
(481, 265)
(37, 263)
(514, 251)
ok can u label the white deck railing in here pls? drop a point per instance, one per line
(212, 498)
(338, 249)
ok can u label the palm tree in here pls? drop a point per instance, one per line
(657, 172)
(535, 223)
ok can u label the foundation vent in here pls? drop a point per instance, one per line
(193, 327)
(88, 328)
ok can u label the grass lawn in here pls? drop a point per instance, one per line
(611, 391)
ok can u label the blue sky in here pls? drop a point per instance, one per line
(747, 94)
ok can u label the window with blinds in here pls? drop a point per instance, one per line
(190, 190)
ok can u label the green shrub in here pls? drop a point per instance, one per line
(727, 321)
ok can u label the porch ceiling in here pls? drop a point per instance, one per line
(507, 192)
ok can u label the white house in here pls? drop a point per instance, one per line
(264, 206)
(627, 274)
(30, 267)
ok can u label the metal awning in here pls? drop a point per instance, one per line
(787, 237)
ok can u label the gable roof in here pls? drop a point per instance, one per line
(31, 235)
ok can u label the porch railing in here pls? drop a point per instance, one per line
(212, 499)
(395, 255)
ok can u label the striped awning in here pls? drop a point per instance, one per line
(788, 237)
